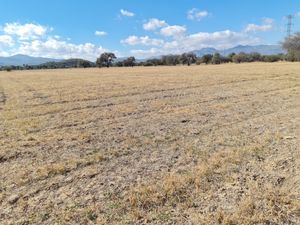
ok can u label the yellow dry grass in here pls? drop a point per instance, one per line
(158, 145)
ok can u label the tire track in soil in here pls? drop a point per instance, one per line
(138, 93)
(211, 126)
(258, 76)
(145, 113)
(147, 100)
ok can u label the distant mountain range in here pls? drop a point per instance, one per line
(19, 60)
(262, 49)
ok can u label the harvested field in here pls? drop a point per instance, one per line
(158, 145)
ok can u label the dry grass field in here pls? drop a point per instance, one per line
(158, 145)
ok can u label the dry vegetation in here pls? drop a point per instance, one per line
(160, 145)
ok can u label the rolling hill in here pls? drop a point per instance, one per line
(19, 60)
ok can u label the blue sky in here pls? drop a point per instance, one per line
(69, 28)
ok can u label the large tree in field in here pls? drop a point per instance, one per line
(130, 61)
(106, 59)
(188, 58)
(292, 45)
(206, 58)
(216, 59)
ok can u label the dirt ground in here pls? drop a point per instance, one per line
(158, 145)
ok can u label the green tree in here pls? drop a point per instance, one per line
(239, 58)
(230, 56)
(206, 58)
(119, 64)
(170, 60)
(80, 63)
(188, 58)
(153, 62)
(130, 61)
(216, 59)
(292, 45)
(106, 59)
(8, 68)
(271, 58)
(254, 57)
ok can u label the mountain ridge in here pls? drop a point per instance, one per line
(21, 59)
(262, 49)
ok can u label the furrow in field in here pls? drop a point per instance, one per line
(146, 112)
(256, 112)
(140, 92)
(142, 100)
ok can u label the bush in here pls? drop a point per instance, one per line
(271, 58)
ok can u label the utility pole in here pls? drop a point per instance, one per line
(289, 25)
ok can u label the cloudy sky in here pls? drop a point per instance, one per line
(143, 28)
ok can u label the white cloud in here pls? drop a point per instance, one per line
(298, 14)
(140, 53)
(267, 25)
(100, 33)
(219, 40)
(154, 24)
(126, 13)
(174, 31)
(171, 45)
(35, 40)
(145, 40)
(53, 48)
(255, 28)
(25, 31)
(268, 20)
(196, 14)
(4, 54)
(6, 40)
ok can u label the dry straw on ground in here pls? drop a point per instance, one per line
(159, 145)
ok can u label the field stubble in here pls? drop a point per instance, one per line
(160, 145)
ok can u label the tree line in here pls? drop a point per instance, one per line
(68, 63)
(216, 58)
(290, 44)
(108, 59)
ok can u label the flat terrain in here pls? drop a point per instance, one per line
(158, 145)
